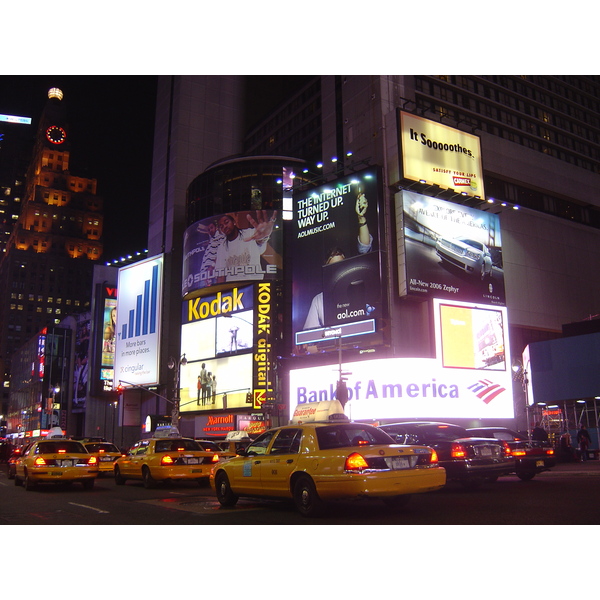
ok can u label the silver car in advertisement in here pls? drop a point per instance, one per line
(466, 254)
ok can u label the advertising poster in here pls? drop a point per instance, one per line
(138, 322)
(217, 338)
(335, 256)
(450, 251)
(438, 154)
(232, 247)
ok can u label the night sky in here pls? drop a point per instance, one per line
(111, 120)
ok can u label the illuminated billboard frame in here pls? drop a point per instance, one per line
(139, 308)
(336, 263)
(449, 251)
(418, 388)
(437, 154)
(242, 246)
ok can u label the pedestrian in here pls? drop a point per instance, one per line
(583, 439)
(539, 434)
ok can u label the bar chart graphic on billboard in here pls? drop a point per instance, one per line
(138, 323)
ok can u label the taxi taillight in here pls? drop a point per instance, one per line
(458, 451)
(92, 461)
(356, 462)
(39, 461)
(166, 460)
(215, 458)
(434, 457)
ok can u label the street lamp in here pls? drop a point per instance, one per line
(176, 364)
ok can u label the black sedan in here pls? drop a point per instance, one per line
(468, 459)
(531, 456)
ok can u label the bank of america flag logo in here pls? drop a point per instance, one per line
(486, 390)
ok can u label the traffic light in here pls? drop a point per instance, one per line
(120, 389)
(341, 392)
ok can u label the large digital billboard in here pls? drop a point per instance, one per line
(438, 154)
(449, 251)
(226, 338)
(336, 264)
(232, 247)
(470, 378)
(138, 322)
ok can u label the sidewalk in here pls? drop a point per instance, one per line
(587, 467)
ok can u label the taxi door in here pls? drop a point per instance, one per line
(131, 464)
(277, 466)
(245, 471)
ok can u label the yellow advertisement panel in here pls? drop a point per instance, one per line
(440, 155)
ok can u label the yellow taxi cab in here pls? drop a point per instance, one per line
(165, 457)
(321, 456)
(105, 452)
(56, 459)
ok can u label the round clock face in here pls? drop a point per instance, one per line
(55, 134)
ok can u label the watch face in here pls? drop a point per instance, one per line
(55, 134)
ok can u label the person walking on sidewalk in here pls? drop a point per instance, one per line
(583, 439)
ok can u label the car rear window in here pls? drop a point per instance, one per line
(176, 445)
(345, 435)
(103, 447)
(56, 447)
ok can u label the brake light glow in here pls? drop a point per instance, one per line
(62, 451)
(39, 462)
(458, 451)
(550, 452)
(356, 462)
(434, 457)
(92, 461)
(518, 452)
(215, 458)
(507, 449)
(166, 460)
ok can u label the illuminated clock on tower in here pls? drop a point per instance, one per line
(56, 134)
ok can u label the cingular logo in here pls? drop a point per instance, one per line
(486, 390)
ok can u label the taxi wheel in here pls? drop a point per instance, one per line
(225, 494)
(18, 481)
(29, 485)
(306, 497)
(149, 481)
(119, 479)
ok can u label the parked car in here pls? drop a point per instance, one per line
(468, 459)
(165, 458)
(531, 457)
(13, 459)
(56, 460)
(467, 254)
(316, 462)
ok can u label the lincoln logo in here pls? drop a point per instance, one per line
(486, 390)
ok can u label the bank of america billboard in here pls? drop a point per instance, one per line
(449, 251)
(441, 155)
(138, 322)
(234, 247)
(470, 377)
(336, 263)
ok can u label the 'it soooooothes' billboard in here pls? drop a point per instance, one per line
(441, 155)
(449, 251)
(138, 322)
(336, 264)
(468, 379)
(242, 246)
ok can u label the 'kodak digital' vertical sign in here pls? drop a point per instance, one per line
(262, 371)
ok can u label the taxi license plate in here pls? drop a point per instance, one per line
(66, 463)
(105, 458)
(539, 463)
(193, 461)
(399, 462)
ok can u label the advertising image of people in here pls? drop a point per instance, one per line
(451, 251)
(232, 247)
(335, 258)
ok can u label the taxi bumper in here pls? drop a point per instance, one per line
(177, 472)
(61, 474)
(381, 484)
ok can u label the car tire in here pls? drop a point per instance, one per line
(28, 483)
(119, 479)
(18, 481)
(526, 475)
(225, 494)
(397, 501)
(88, 484)
(149, 481)
(306, 498)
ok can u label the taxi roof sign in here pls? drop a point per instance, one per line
(55, 432)
(326, 410)
(163, 431)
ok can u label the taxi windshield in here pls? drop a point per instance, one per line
(56, 447)
(176, 445)
(350, 434)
